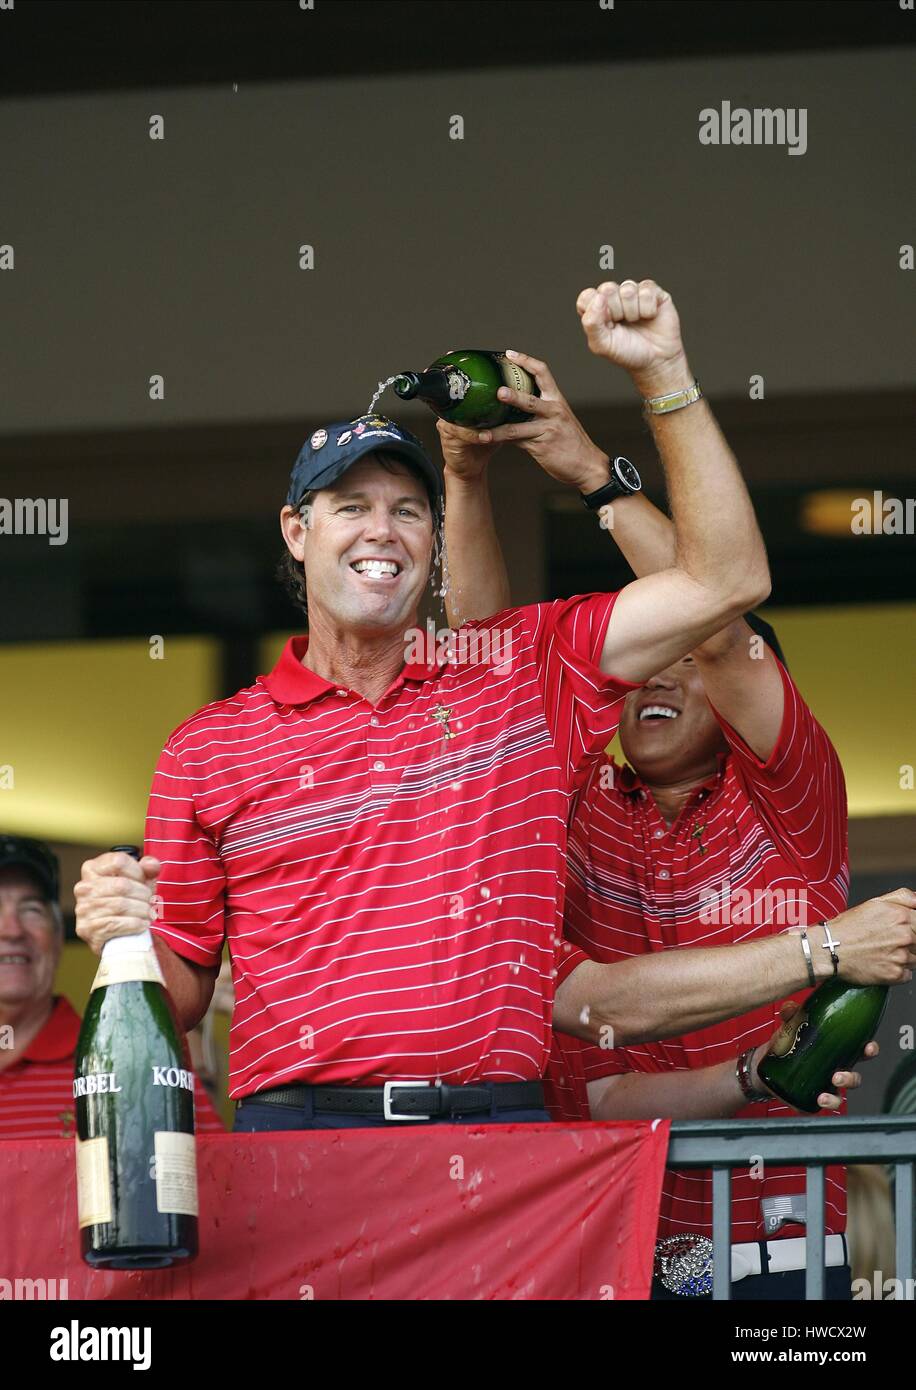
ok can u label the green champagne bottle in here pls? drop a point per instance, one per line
(828, 1034)
(134, 1091)
(461, 387)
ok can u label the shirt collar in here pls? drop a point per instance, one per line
(291, 683)
(630, 781)
(57, 1039)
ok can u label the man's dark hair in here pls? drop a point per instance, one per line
(291, 572)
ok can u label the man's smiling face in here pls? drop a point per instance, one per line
(668, 731)
(367, 549)
(30, 939)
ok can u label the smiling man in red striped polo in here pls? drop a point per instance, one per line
(383, 842)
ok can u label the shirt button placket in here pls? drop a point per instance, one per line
(376, 764)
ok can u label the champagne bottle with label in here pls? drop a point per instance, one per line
(461, 387)
(828, 1034)
(134, 1091)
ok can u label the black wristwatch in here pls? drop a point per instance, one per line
(624, 480)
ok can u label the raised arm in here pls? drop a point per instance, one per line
(478, 578)
(720, 567)
(665, 995)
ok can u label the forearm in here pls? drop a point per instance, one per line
(478, 578)
(707, 1093)
(667, 994)
(190, 985)
(718, 542)
(645, 537)
(642, 533)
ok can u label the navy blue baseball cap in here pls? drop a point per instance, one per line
(331, 450)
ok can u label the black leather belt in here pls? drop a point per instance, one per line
(407, 1100)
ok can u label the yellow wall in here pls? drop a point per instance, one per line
(856, 667)
(83, 725)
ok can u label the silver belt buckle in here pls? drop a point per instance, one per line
(683, 1265)
(389, 1086)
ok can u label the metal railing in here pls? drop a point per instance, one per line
(722, 1145)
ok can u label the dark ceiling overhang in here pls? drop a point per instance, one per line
(49, 46)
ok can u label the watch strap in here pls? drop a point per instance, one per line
(610, 490)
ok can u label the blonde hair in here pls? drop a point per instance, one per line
(870, 1222)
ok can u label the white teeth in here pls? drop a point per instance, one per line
(375, 568)
(14, 960)
(664, 710)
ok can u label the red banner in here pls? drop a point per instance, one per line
(452, 1212)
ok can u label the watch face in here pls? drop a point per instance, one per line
(627, 475)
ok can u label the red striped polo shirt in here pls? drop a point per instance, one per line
(389, 877)
(758, 848)
(36, 1091)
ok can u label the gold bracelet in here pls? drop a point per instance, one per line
(675, 400)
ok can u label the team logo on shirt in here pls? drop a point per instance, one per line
(442, 716)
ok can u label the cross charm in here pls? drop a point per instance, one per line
(442, 716)
(696, 834)
(830, 945)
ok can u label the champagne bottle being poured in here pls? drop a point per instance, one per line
(461, 387)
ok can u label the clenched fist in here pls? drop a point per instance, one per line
(115, 897)
(637, 327)
(877, 940)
